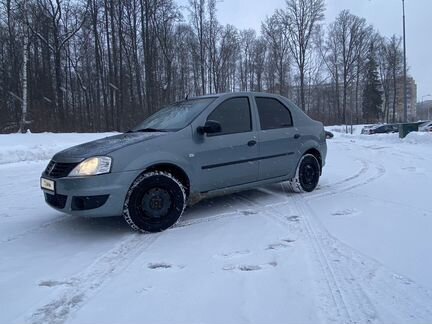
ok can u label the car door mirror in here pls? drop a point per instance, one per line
(210, 127)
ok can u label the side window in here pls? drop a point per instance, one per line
(272, 113)
(234, 116)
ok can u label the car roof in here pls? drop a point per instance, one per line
(235, 94)
(377, 126)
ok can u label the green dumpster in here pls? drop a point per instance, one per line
(406, 128)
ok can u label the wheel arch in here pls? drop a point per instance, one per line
(174, 170)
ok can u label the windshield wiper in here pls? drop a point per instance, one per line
(147, 130)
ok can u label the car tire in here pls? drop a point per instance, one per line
(155, 201)
(307, 174)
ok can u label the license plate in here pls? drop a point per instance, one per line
(47, 184)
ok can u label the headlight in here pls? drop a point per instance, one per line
(92, 166)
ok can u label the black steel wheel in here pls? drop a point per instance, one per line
(307, 175)
(154, 202)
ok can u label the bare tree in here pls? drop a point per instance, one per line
(199, 20)
(259, 56)
(275, 33)
(344, 44)
(300, 19)
(23, 123)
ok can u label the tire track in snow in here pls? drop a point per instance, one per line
(346, 290)
(336, 300)
(367, 175)
(364, 168)
(372, 282)
(349, 265)
(86, 283)
(364, 176)
(35, 229)
(348, 297)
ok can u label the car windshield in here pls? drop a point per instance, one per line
(174, 117)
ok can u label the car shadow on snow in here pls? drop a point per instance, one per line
(242, 202)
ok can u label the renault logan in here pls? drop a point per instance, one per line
(191, 149)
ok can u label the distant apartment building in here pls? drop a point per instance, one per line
(411, 100)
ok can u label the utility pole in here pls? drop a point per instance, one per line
(405, 66)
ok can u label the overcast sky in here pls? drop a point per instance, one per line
(384, 15)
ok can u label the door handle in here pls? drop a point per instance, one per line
(296, 136)
(252, 143)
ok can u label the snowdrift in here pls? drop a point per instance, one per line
(36, 147)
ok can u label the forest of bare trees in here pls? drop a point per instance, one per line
(102, 65)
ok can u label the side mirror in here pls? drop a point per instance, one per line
(210, 127)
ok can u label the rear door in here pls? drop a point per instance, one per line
(229, 158)
(278, 139)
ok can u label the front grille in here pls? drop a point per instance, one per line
(58, 201)
(59, 170)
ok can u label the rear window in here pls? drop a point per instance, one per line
(273, 114)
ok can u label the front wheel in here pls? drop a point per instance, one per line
(154, 202)
(307, 174)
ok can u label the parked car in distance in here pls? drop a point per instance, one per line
(189, 150)
(365, 129)
(380, 129)
(425, 127)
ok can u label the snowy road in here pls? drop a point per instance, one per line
(357, 250)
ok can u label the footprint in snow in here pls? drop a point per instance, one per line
(418, 171)
(160, 265)
(345, 212)
(410, 169)
(276, 246)
(54, 283)
(249, 267)
(248, 212)
(163, 266)
(402, 279)
(143, 290)
(293, 218)
(234, 254)
(288, 240)
(280, 245)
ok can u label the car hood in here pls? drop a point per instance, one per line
(103, 146)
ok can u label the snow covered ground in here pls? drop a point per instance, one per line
(357, 250)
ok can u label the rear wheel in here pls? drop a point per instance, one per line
(154, 202)
(307, 174)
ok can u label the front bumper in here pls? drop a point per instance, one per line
(91, 196)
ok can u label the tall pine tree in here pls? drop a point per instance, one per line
(372, 94)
